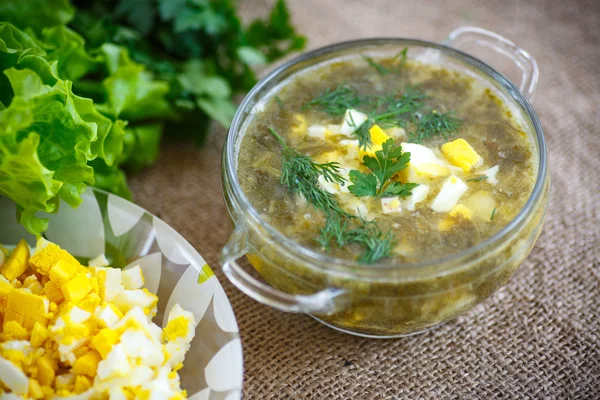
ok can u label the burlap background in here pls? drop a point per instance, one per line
(539, 337)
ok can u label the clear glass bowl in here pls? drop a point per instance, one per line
(173, 270)
(386, 299)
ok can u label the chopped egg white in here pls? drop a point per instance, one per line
(424, 165)
(390, 205)
(396, 132)
(99, 261)
(353, 119)
(452, 190)
(133, 277)
(13, 378)
(491, 174)
(418, 194)
(334, 129)
(317, 131)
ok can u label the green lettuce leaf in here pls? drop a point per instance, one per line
(48, 137)
(131, 90)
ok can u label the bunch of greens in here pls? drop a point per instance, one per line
(88, 92)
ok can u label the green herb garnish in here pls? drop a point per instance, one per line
(493, 214)
(436, 123)
(300, 174)
(386, 111)
(402, 56)
(477, 178)
(336, 102)
(375, 65)
(387, 162)
(345, 230)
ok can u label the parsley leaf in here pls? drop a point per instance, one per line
(363, 184)
(387, 162)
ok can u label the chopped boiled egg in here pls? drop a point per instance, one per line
(351, 147)
(391, 205)
(334, 129)
(133, 277)
(460, 153)
(452, 190)
(491, 174)
(99, 261)
(482, 203)
(83, 333)
(424, 165)
(317, 131)
(418, 194)
(396, 132)
(378, 136)
(353, 119)
(456, 213)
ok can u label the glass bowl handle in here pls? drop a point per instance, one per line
(470, 36)
(326, 301)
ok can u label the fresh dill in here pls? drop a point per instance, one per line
(299, 173)
(386, 111)
(375, 65)
(436, 123)
(335, 102)
(345, 230)
(387, 162)
(493, 213)
(477, 178)
(401, 56)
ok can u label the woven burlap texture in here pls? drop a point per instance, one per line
(539, 336)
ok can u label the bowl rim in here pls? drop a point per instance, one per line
(326, 261)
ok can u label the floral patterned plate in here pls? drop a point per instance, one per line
(128, 235)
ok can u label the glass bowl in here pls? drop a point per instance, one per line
(385, 299)
(173, 270)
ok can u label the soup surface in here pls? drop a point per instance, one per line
(385, 159)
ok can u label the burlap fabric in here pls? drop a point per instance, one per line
(539, 337)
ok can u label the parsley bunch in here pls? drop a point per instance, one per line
(200, 47)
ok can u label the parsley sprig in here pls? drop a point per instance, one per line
(387, 162)
(300, 174)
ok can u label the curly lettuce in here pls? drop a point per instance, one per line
(53, 142)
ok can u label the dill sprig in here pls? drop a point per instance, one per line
(388, 111)
(344, 230)
(300, 173)
(401, 56)
(436, 123)
(335, 102)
